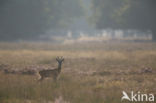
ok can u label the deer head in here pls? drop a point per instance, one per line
(60, 60)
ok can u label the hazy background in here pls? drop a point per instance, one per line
(70, 20)
(107, 46)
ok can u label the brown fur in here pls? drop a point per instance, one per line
(54, 73)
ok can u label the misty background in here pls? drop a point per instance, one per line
(77, 20)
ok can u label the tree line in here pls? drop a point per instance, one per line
(125, 14)
(26, 19)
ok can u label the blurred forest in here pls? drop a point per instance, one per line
(27, 19)
(125, 14)
(30, 18)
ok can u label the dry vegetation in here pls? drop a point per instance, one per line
(92, 72)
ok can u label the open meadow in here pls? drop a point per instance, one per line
(91, 72)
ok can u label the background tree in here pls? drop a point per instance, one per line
(125, 14)
(27, 19)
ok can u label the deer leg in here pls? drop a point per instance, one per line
(41, 79)
(55, 78)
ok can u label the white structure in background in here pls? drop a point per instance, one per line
(82, 34)
(119, 34)
(69, 34)
(105, 34)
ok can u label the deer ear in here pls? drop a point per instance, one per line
(57, 59)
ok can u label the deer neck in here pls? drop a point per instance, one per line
(59, 67)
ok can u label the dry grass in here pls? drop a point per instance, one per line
(92, 72)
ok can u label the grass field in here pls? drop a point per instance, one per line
(91, 73)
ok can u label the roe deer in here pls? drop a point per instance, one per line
(52, 73)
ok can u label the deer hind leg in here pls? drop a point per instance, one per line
(41, 78)
(38, 76)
